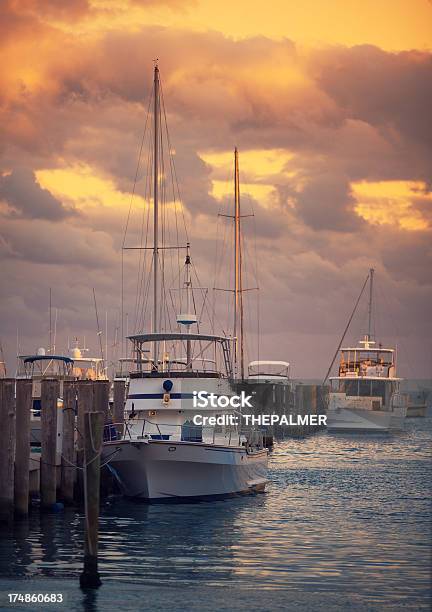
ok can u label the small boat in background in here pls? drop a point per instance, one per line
(43, 365)
(417, 404)
(365, 396)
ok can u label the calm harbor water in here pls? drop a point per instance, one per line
(345, 524)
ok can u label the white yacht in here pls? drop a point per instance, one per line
(365, 396)
(161, 453)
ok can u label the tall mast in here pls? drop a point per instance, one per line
(188, 287)
(155, 213)
(371, 275)
(238, 283)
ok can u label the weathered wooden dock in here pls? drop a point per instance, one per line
(54, 471)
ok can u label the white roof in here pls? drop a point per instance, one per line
(384, 378)
(369, 350)
(258, 363)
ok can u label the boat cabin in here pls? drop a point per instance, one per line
(366, 371)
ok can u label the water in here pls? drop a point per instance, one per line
(345, 525)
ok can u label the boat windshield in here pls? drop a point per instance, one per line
(363, 387)
(183, 353)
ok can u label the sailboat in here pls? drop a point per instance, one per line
(162, 453)
(365, 395)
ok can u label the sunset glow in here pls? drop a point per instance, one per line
(328, 104)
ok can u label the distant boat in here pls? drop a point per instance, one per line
(161, 454)
(269, 372)
(417, 404)
(43, 365)
(365, 396)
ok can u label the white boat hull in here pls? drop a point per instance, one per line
(161, 470)
(360, 420)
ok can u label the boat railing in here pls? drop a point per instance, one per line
(143, 429)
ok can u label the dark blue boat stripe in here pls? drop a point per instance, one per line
(160, 396)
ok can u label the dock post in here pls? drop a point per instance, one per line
(50, 389)
(84, 404)
(68, 470)
(93, 428)
(7, 448)
(101, 397)
(119, 404)
(22, 452)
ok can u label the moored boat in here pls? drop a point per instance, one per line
(365, 396)
(161, 452)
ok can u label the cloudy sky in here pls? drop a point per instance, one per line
(330, 106)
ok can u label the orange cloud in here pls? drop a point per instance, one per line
(391, 202)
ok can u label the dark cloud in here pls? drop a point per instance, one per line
(389, 90)
(59, 243)
(28, 199)
(408, 258)
(326, 203)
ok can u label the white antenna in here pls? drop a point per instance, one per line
(50, 323)
(371, 276)
(99, 331)
(55, 329)
(106, 340)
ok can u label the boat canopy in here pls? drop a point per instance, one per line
(157, 337)
(33, 358)
(262, 362)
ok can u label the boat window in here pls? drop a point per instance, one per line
(351, 387)
(378, 389)
(364, 388)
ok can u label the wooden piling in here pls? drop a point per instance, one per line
(84, 404)
(7, 448)
(93, 428)
(50, 390)
(101, 397)
(119, 404)
(68, 470)
(22, 453)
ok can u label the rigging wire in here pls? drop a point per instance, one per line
(128, 218)
(346, 329)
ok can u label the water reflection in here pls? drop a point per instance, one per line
(342, 513)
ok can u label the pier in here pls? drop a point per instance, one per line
(292, 399)
(54, 470)
(65, 468)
